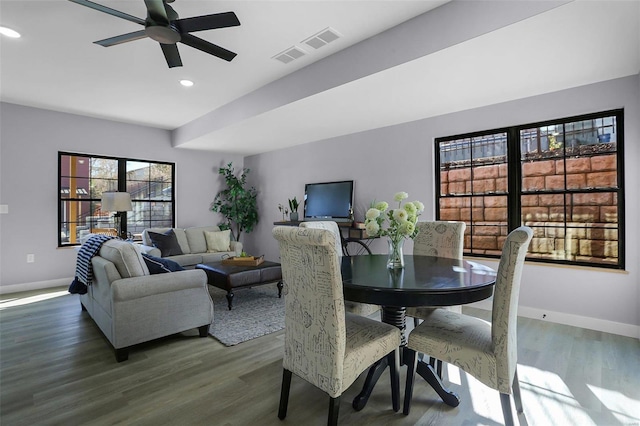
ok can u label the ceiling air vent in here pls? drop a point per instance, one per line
(290, 54)
(325, 36)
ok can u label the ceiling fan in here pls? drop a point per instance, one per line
(164, 26)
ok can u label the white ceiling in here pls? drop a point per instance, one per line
(56, 66)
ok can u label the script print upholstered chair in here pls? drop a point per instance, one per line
(324, 345)
(364, 309)
(486, 350)
(437, 238)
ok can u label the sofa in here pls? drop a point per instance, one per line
(193, 245)
(132, 306)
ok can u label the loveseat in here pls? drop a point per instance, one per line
(192, 244)
(131, 306)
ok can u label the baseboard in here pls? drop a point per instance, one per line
(628, 330)
(606, 326)
(15, 288)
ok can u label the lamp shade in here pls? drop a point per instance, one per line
(116, 202)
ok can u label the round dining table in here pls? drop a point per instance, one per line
(424, 281)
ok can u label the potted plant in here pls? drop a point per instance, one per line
(237, 203)
(293, 206)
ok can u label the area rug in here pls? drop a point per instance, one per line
(256, 311)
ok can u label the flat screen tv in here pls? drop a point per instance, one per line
(328, 201)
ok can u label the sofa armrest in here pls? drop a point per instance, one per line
(150, 250)
(149, 285)
(236, 246)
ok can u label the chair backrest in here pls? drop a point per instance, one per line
(505, 305)
(329, 226)
(439, 238)
(315, 330)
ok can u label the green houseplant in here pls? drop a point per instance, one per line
(293, 208)
(237, 203)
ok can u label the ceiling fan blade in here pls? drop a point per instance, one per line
(171, 54)
(207, 47)
(112, 41)
(108, 10)
(157, 11)
(207, 22)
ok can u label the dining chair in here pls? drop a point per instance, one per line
(322, 344)
(486, 350)
(364, 309)
(437, 238)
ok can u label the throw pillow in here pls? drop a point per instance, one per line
(218, 240)
(157, 265)
(167, 243)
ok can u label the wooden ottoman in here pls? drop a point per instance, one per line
(230, 277)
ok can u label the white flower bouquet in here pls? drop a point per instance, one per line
(401, 224)
(401, 221)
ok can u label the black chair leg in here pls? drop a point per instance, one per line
(334, 409)
(284, 393)
(393, 359)
(439, 368)
(412, 363)
(517, 396)
(505, 400)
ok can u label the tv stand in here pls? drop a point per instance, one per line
(354, 244)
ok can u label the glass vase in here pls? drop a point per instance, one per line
(396, 257)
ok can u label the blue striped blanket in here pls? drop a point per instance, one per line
(84, 269)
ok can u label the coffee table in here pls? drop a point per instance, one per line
(230, 277)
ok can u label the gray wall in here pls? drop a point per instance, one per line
(30, 139)
(381, 162)
(400, 158)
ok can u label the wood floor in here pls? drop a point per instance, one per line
(58, 369)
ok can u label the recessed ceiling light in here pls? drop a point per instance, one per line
(186, 83)
(9, 32)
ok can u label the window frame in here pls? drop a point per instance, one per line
(121, 186)
(515, 192)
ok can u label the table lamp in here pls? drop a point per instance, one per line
(118, 202)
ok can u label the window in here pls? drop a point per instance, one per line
(83, 179)
(562, 178)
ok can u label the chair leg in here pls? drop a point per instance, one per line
(334, 409)
(393, 359)
(412, 363)
(439, 368)
(517, 396)
(505, 400)
(284, 393)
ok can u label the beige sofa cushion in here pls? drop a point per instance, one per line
(196, 239)
(217, 240)
(126, 257)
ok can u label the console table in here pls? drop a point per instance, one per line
(356, 243)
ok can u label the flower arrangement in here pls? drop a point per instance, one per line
(402, 224)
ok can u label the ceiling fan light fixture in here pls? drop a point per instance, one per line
(165, 34)
(9, 32)
(186, 83)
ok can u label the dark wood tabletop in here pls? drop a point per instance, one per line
(424, 281)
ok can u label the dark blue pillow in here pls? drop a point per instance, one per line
(167, 243)
(158, 265)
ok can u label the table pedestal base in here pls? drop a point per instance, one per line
(397, 317)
